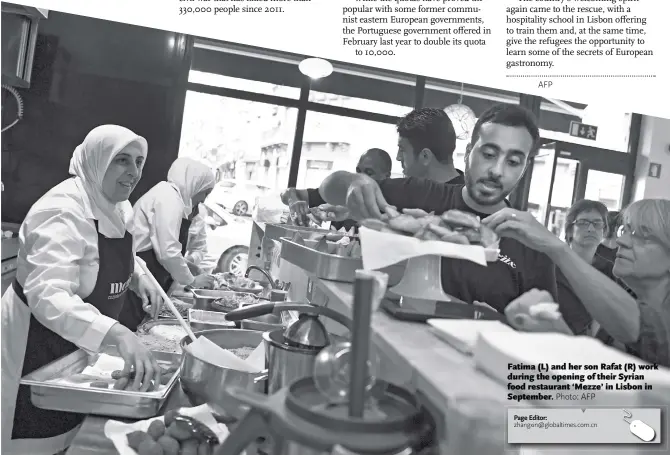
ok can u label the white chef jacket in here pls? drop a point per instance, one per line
(157, 218)
(196, 247)
(57, 267)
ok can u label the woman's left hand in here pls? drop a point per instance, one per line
(152, 301)
(523, 227)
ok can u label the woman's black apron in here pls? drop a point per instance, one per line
(44, 346)
(133, 314)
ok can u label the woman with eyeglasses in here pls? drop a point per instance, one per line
(639, 325)
(585, 226)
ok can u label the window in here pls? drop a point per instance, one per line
(613, 124)
(322, 165)
(606, 188)
(442, 94)
(380, 94)
(340, 141)
(239, 67)
(218, 80)
(243, 140)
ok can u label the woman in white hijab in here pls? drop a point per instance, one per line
(161, 221)
(75, 265)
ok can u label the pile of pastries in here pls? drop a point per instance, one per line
(452, 226)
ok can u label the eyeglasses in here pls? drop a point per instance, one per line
(597, 225)
(635, 235)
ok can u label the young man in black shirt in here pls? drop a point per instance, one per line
(375, 163)
(426, 144)
(503, 141)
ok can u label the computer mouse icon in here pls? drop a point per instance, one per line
(642, 430)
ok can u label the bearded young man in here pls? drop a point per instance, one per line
(504, 140)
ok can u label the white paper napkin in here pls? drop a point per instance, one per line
(256, 359)
(382, 249)
(104, 365)
(462, 334)
(117, 431)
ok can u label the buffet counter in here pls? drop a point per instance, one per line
(410, 356)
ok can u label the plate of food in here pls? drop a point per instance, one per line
(182, 307)
(185, 431)
(242, 284)
(234, 301)
(454, 226)
(222, 280)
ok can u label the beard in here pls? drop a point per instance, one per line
(482, 198)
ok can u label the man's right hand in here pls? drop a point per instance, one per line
(365, 199)
(204, 281)
(299, 211)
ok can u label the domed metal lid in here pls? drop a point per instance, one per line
(308, 332)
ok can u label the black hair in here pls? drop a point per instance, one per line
(384, 158)
(613, 223)
(432, 129)
(512, 115)
(578, 207)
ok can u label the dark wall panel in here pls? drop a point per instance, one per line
(90, 72)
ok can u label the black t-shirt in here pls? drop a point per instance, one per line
(607, 252)
(518, 269)
(457, 180)
(575, 314)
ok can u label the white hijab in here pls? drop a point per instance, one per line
(190, 177)
(88, 166)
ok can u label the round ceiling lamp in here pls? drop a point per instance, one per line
(463, 118)
(315, 68)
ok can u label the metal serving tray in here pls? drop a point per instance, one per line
(208, 320)
(279, 231)
(330, 266)
(322, 265)
(91, 400)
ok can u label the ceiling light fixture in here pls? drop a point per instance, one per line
(315, 68)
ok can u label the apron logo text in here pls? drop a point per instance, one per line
(117, 289)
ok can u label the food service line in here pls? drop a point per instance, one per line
(441, 375)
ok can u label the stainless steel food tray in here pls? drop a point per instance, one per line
(208, 320)
(90, 400)
(321, 265)
(330, 266)
(279, 231)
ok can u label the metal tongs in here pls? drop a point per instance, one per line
(198, 429)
